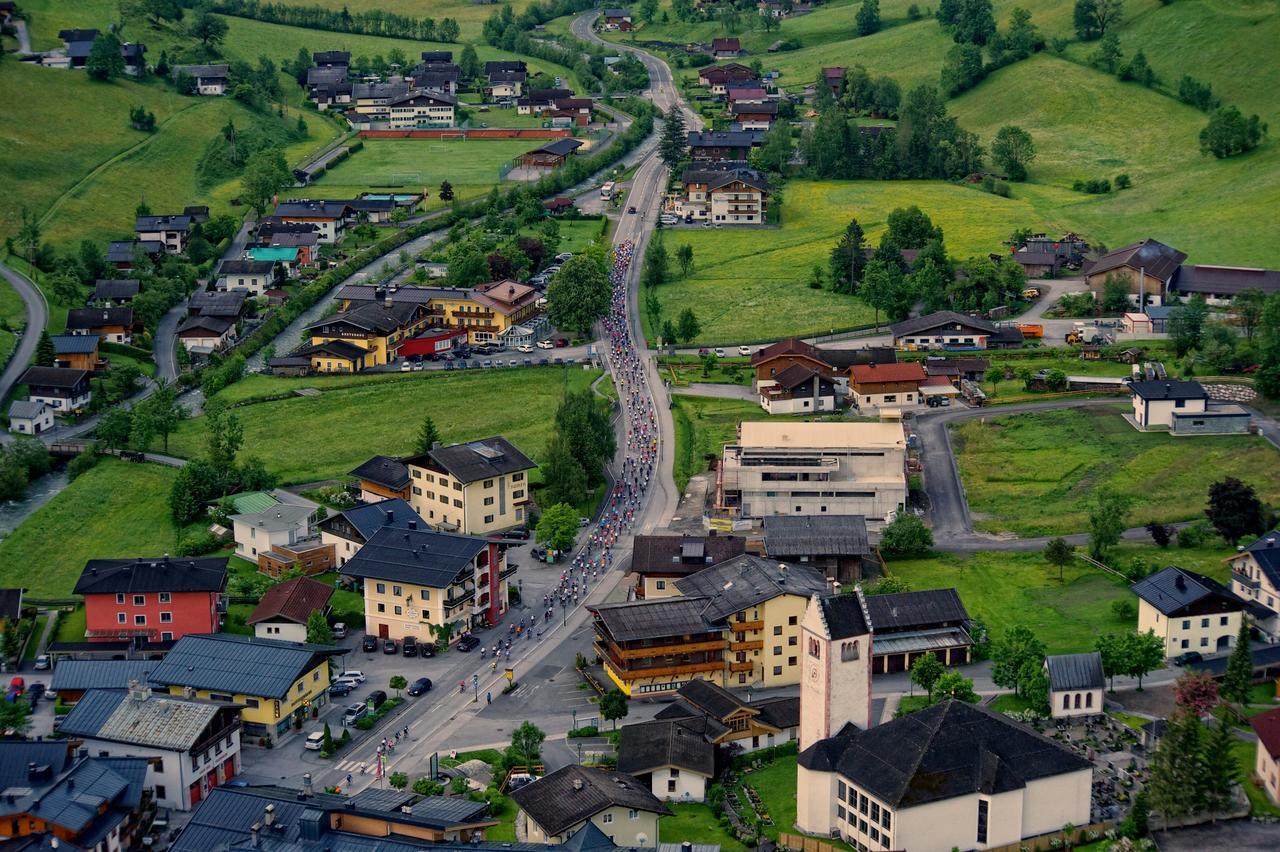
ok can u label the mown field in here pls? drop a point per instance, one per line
(305, 439)
(1032, 474)
(469, 15)
(118, 509)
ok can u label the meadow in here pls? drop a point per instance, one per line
(1032, 474)
(306, 439)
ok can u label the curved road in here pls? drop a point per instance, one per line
(37, 320)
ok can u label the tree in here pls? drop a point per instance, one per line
(15, 715)
(1144, 652)
(974, 22)
(425, 786)
(1235, 510)
(993, 376)
(1177, 769)
(195, 485)
(558, 527)
(674, 142)
(564, 477)
(28, 236)
(526, 744)
(688, 326)
(1160, 533)
(446, 191)
(1229, 133)
(1186, 325)
(925, 672)
(327, 745)
(657, 263)
(1196, 693)
(848, 259)
(449, 30)
(613, 706)
(1247, 309)
(1221, 773)
(868, 19)
(775, 149)
(165, 412)
(113, 428)
(265, 174)
(398, 780)
(428, 435)
(1057, 552)
(105, 61)
(1239, 673)
(909, 228)
(1138, 70)
(318, 630)
(952, 684)
(208, 28)
(1013, 149)
(1011, 656)
(1108, 55)
(962, 69)
(882, 287)
(684, 257)
(584, 423)
(1111, 649)
(579, 293)
(224, 435)
(1107, 513)
(906, 535)
(397, 683)
(44, 349)
(669, 332)
(1094, 17)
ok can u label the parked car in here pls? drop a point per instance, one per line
(355, 712)
(36, 692)
(468, 643)
(669, 220)
(339, 630)
(546, 344)
(352, 674)
(419, 686)
(488, 364)
(1187, 658)
(562, 342)
(525, 348)
(744, 350)
(427, 649)
(389, 646)
(314, 741)
(410, 646)
(519, 532)
(369, 643)
(42, 663)
(378, 697)
(339, 688)
(563, 256)
(406, 367)
(719, 352)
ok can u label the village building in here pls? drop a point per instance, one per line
(330, 218)
(730, 195)
(884, 386)
(657, 561)
(676, 762)
(348, 530)
(721, 145)
(1255, 577)
(1188, 611)
(112, 325)
(159, 599)
(799, 390)
(476, 488)
(1184, 408)
(1267, 760)
(1076, 684)
(169, 230)
(736, 725)
(381, 478)
(550, 155)
(836, 544)
(205, 335)
(616, 19)
(943, 330)
(377, 329)
(63, 391)
(286, 608)
(558, 805)
(115, 292)
(209, 79)
(28, 417)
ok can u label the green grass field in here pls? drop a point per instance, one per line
(117, 509)
(346, 424)
(471, 167)
(1031, 474)
(695, 823)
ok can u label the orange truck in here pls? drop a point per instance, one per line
(1031, 329)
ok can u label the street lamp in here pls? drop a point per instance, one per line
(475, 687)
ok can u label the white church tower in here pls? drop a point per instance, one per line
(835, 675)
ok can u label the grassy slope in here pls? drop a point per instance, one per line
(470, 16)
(345, 426)
(1030, 474)
(118, 509)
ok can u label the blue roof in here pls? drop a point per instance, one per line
(421, 557)
(75, 344)
(75, 675)
(370, 517)
(239, 665)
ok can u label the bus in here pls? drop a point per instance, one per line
(608, 189)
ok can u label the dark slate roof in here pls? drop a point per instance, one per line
(206, 303)
(1158, 259)
(1075, 671)
(1266, 726)
(915, 610)
(652, 619)
(683, 554)
(75, 344)
(782, 713)
(716, 701)
(1267, 554)
(331, 57)
(476, 460)
(246, 267)
(313, 209)
(693, 718)
(555, 804)
(166, 574)
(217, 325)
(447, 812)
(334, 349)
(53, 377)
(121, 251)
(941, 752)
(797, 375)
(17, 755)
(844, 616)
(746, 176)
(10, 603)
(116, 288)
(368, 518)
(504, 65)
(1226, 280)
(940, 318)
(293, 600)
(437, 56)
(420, 557)
(385, 471)
(746, 581)
(162, 223)
(1169, 390)
(647, 746)
(372, 318)
(244, 665)
(1174, 589)
(560, 147)
(91, 318)
(75, 675)
(789, 536)
(721, 138)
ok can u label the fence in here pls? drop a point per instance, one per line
(801, 843)
(477, 133)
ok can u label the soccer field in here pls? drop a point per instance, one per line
(470, 166)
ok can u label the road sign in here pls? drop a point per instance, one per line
(511, 674)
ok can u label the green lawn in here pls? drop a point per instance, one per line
(776, 785)
(1031, 474)
(37, 631)
(1246, 758)
(71, 628)
(471, 167)
(117, 509)
(1006, 590)
(303, 439)
(577, 234)
(695, 823)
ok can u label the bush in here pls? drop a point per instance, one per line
(82, 463)
(1194, 535)
(365, 723)
(1123, 181)
(1093, 187)
(199, 543)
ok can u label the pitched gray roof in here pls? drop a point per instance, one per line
(384, 470)
(746, 581)
(789, 536)
(75, 344)
(1174, 589)
(938, 319)
(1159, 260)
(276, 519)
(915, 610)
(647, 746)
(239, 665)
(25, 409)
(158, 721)
(844, 616)
(653, 619)
(75, 675)
(421, 557)
(1266, 552)
(476, 460)
(184, 574)
(1169, 390)
(1075, 671)
(368, 518)
(556, 803)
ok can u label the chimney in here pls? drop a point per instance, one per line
(391, 515)
(137, 691)
(435, 445)
(306, 784)
(413, 525)
(253, 835)
(577, 783)
(71, 783)
(269, 816)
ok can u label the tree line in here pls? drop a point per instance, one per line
(582, 444)
(375, 22)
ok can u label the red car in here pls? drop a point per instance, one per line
(562, 342)
(17, 685)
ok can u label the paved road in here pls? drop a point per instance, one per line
(36, 320)
(24, 37)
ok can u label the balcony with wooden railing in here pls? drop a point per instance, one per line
(757, 645)
(666, 650)
(744, 626)
(666, 671)
(745, 666)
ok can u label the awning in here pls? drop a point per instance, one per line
(921, 640)
(939, 390)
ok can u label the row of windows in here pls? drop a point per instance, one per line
(141, 620)
(864, 805)
(1204, 622)
(632, 814)
(141, 600)
(397, 591)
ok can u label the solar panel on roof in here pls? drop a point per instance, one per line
(486, 451)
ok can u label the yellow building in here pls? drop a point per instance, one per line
(485, 311)
(415, 581)
(274, 681)
(1189, 612)
(474, 488)
(376, 328)
(736, 624)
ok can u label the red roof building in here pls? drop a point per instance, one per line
(886, 385)
(284, 609)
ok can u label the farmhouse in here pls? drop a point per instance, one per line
(155, 598)
(558, 805)
(1255, 577)
(551, 155)
(659, 560)
(770, 361)
(1188, 611)
(415, 579)
(476, 488)
(111, 325)
(956, 370)
(874, 386)
(798, 390)
(753, 116)
(209, 79)
(62, 390)
(285, 609)
(77, 352)
(733, 195)
(1076, 684)
(1218, 285)
(726, 720)
(726, 48)
(330, 218)
(720, 145)
(1041, 256)
(1184, 408)
(115, 292)
(837, 544)
(381, 478)
(126, 254)
(28, 417)
(255, 277)
(169, 230)
(347, 531)
(76, 47)
(191, 746)
(676, 762)
(718, 77)
(616, 19)
(834, 78)
(942, 330)
(204, 335)
(779, 468)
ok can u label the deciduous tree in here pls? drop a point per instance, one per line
(868, 18)
(1195, 692)
(208, 28)
(684, 257)
(1144, 653)
(1235, 510)
(1108, 512)
(558, 527)
(688, 326)
(1059, 553)
(925, 672)
(906, 535)
(579, 293)
(318, 630)
(952, 684)
(1013, 150)
(613, 706)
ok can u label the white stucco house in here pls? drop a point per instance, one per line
(1076, 684)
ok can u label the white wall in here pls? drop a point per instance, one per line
(689, 786)
(1090, 702)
